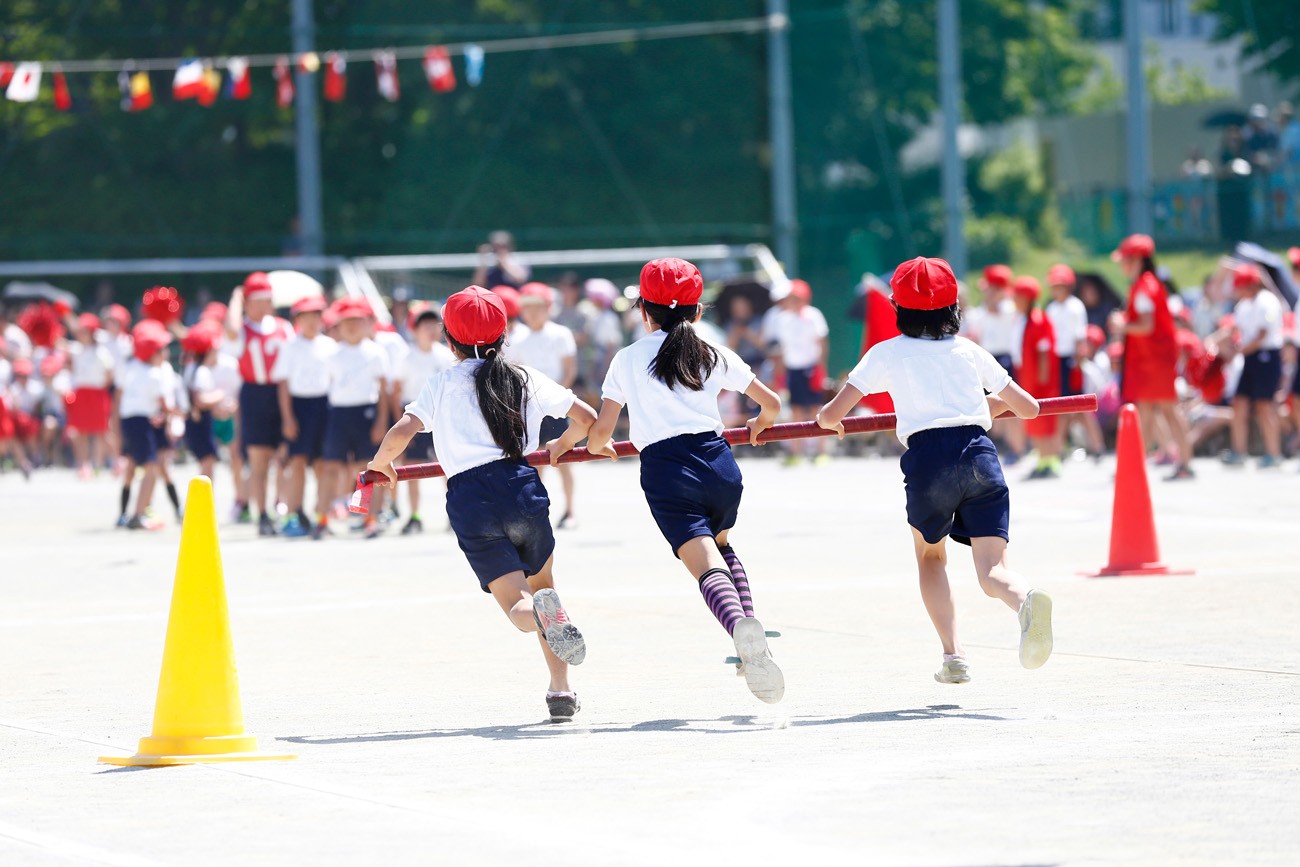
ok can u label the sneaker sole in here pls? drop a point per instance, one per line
(1036, 640)
(951, 678)
(561, 718)
(762, 675)
(564, 639)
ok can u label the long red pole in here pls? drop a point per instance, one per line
(735, 436)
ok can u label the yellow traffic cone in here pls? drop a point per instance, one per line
(198, 717)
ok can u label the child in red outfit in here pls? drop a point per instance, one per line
(1039, 373)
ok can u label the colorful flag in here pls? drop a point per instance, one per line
(438, 69)
(188, 81)
(210, 85)
(474, 65)
(336, 79)
(241, 83)
(386, 75)
(25, 85)
(6, 73)
(137, 92)
(283, 83)
(62, 98)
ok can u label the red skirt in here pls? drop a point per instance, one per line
(88, 410)
(1148, 380)
(26, 427)
(6, 421)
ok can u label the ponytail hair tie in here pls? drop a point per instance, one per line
(476, 355)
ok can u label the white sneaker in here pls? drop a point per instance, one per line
(1035, 629)
(761, 673)
(564, 639)
(954, 670)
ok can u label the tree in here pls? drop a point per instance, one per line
(1270, 31)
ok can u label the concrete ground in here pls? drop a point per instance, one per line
(1163, 731)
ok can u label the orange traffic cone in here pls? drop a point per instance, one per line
(198, 716)
(1133, 546)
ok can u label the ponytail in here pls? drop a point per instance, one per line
(500, 387)
(684, 358)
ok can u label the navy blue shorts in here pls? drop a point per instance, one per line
(419, 449)
(502, 519)
(347, 433)
(199, 438)
(312, 414)
(140, 439)
(551, 429)
(259, 415)
(1007, 362)
(799, 383)
(692, 486)
(1261, 375)
(1067, 375)
(954, 485)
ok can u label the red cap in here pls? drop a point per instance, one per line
(1026, 287)
(22, 366)
(162, 303)
(1294, 255)
(313, 304)
(1245, 276)
(149, 335)
(537, 290)
(1096, 335)
(202, 338)
(52, 363)
(475, 316)
(352, 308)
(119, 314)
(924, 284)
(671, 282)
(215, 310)
(998, 275)
(89, 322)
(509, 296)
(257, 285)
(330, 316)
(1135, 247)
(801, 290)
(1060, 275)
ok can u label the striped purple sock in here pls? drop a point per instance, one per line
(739, 578)
(723, 600)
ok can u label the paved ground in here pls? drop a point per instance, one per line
(1163, 731)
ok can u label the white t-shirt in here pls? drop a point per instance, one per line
(798, 333)
(226, 375)
(1069, 320)
(995, 330)
(419, 366)
(448, 408)
(303, 364)
(92, 365)
(395, 348)
(544, 349)
(27, 397)
(1261, 313)
(145, 388)
(356, 371)
(199, 378)
(657, 412)
(934, 383)
(20, 345)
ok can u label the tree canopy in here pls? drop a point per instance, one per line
(1270, 30)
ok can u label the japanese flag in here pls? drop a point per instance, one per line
(386, 75)
(437, 68)
(283, 83)
(25, 86)
(241, 85)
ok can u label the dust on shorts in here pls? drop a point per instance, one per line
(955, 486)
(501, 516)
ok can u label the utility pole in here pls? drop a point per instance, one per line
(953, 170)
(1137, 129)
(307, 135)
(781, 132)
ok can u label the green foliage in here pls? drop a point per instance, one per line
(1013, 183)
(1270, 30)
(993, 239)
(1182, 86)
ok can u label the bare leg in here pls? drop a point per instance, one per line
(566, 482)
(701, 554)
(996, 578)
(259, 467)
(297, 483)
(146, 488)
(514, 593)
(936, 593)
(1269, 428)
(1178, 434)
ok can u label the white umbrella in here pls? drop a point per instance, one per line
(290, 287)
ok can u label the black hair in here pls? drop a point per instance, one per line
(929, 324)
(1148, 265)
(500, 389)
(430, 313)
(684, 358)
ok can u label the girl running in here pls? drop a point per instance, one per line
(951, 472)
(484, 414)
(669, 381)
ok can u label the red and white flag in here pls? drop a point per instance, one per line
(209, 86)
(62, 97)
(188, 81)
(336, 78)
(386, 75)
(6, 73)
(438, 69)
(283, 83)
(241, 83)
(25, 86)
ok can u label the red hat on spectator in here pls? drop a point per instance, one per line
(202, 338)
(215, 310)
(801, 290)
(1027, 287)
(1061, 275)
(22, 366)
(150, 336)
(1096, 335)
(1135, 247)
(119, 314)
(998, 275)
(163, 303)
(1245, 276)
(475, 316)
(671, 282)
(1294, 255)
(89, 322)
(924, 284)
(257, 285)
(352, 308)
(312, 304)
(540, 291)
(509, 296)
(52, 364)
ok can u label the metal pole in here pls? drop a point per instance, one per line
(307, 135)
(781, 131)
(1137, 129)
(953, 174)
